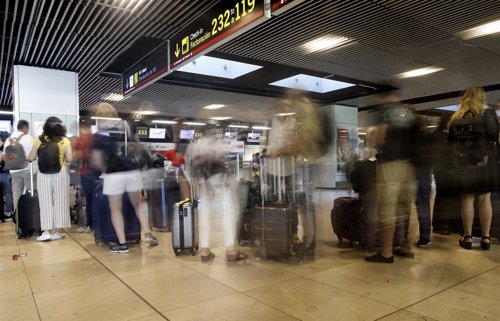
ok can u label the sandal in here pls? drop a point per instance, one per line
(465, 244)
(206, 255)
(238, 256)
(485, 246)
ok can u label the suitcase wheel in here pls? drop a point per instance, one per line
(138, 241)
(193, 252)
(177, 252)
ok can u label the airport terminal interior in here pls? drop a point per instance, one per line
(249, 160)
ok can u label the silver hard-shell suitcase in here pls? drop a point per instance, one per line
(183, 228)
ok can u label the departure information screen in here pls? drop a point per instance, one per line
(147, 70)
(217, 24)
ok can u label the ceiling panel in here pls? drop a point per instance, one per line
(390, 36)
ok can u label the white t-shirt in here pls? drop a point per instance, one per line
(27, 143)
(280, 138)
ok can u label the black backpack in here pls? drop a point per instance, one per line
(48, 156)
(470, 144)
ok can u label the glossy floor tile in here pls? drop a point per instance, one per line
(74, 279)
(307, 299)
(229, 308)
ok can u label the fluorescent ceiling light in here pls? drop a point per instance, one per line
(136, 120)
(481, 30)
(238, 126)
(448, 108)
(113, 97)
(361, 134)
(324, 43)
(6, 112)
(214, 106)
(419, 72)
(220, 118)
(285, 114)
(216, 67)
(147, 112)
(261, 127)
(193, 123)
(159, 121)
(105, 118)
(311, 83)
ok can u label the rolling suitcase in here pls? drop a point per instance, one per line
(101, 217)
(275, 222)
(162, 196)
(346, 220)
(183, 228)
(28, 212)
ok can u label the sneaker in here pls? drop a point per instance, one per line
(151, 239)
(81, 229)
(423, 242)
(57, 236)
(46, 236)
(8, 217)
(119, 248)
(378, 258)
(89, 229)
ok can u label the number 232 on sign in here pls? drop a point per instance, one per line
(224, 20)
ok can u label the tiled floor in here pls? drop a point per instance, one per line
(73, 279)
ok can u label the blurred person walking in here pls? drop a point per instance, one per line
(88, 173)
(53, 151)
(473, 136)
(217, 193)
(396, 181)
(20, 176)
(120, 175)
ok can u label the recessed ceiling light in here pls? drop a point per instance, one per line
(325, 42)
(261, 127)
(137, 120)
(214, 106)
(220, 118)
(216, 67)
(113, 97)
(311, 83)
(448, 108)
(193, 123)
(238, 126)
(161, 121)
(481, 30)
(105, 118)
(418, 72)
(285, 114)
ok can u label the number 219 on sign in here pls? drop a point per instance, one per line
(224, 20)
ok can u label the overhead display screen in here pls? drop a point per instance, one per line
(253, 138)
(142, 132)
(187, 134)
(146, 71)
(220, 22)
(157, 133)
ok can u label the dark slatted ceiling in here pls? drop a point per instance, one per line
(389, 37)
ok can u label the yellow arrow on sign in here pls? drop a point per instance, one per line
(177, 50)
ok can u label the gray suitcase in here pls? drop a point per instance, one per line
(183, 228)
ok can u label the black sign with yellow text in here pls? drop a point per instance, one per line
(217, 24)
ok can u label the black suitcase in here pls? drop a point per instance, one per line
(346, 220)
(162, 196)
(28, 212)
(101, 218)
(272, 230)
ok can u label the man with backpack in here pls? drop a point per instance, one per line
(16, 149)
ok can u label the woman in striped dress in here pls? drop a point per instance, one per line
(54, 153)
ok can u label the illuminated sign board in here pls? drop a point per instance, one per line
(142, 132)
(146, 71)
(220, 23)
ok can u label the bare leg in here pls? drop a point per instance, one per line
(115, 204)
(135, 199)
(485, 213)
(468, 212)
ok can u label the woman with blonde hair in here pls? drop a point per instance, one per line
(474, 137)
